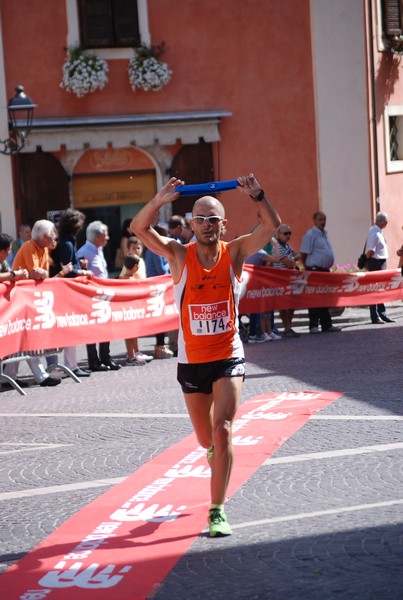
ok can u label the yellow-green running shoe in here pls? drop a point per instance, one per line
(218, 523)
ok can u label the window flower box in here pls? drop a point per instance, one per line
(83, 73)
(395, 44)
(146, 72)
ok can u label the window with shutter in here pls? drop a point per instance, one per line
(109, 23)
(392, 17)
(126, 27)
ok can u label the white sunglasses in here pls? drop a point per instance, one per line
(213, 220)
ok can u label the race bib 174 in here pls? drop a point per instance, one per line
(210, 319)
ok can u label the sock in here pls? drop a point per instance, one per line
(220, 506)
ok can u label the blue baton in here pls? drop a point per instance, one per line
(205, 188)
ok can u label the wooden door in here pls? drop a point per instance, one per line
(194, 164)
(41, 185)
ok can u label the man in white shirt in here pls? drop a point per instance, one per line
(377, 254)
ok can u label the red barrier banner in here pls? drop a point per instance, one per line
(55, 313)
(267, 288)
(67, 312)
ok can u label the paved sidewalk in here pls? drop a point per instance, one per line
(321, 519)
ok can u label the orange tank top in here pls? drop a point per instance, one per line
(207, 300)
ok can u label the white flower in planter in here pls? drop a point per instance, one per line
(146, 72)
(396, 44)
(83, 73)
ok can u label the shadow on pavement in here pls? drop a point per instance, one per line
(356, 564)
(365, 364)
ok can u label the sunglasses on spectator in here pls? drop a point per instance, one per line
(286, 232)
(213, 220)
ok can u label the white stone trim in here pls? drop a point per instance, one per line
(392, 166)
(381, 42)
(50, 140)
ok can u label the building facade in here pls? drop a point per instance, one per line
(304, 93)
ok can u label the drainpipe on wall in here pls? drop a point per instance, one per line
(373, 104)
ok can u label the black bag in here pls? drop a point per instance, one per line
(362, 259)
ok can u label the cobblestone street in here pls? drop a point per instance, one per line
(321, 519)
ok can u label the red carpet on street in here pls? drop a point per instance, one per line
(124, 543)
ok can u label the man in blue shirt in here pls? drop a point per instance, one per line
(317, 255)
(97, 237)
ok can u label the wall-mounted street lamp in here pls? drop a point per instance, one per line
(20, 112)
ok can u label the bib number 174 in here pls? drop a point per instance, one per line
(209, 319)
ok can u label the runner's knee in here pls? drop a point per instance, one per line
(204, 440)
(222, 433)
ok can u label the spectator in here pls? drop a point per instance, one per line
(24, 234)
(288, 260)
(176, 226)
(33, 256)
(270, 248)
(177, 231)
(135, 246)
(187, 234)
(260, 324)
(70, 224)
(92, 251)
(400, 255)
(6, 274)
(56, 269)
(317, 255)
(130, 270)
(377, 254)
(122, 251)
(158, 265)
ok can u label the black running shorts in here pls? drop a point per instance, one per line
(199, 378)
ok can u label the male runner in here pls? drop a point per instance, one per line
(207, 279)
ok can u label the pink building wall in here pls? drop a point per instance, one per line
(252, 58)
(389, 91)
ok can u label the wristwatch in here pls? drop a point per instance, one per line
(13, 273)
(259, 197)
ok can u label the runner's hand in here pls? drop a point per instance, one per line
(167, 193)
(249, 185)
